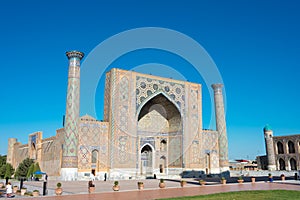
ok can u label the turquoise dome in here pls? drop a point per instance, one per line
(267, 128)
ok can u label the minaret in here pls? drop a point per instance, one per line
(221, 127)
(69, 168)
(268, 133)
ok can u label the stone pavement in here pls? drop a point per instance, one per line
(128, 189)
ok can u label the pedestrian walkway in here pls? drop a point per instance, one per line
(128, 189)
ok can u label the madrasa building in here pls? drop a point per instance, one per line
(283, 152)
(152, 126)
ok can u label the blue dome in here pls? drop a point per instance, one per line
(267, 128)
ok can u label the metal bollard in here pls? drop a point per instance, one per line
(21, 183)
(44, 188)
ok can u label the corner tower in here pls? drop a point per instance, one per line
(268, 133)
(10, 150)
(221, 127)
(69, 168)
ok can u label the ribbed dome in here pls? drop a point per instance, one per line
(267, 128)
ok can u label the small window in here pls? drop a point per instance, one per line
(163, 145)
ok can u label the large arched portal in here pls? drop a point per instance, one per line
(160, 117)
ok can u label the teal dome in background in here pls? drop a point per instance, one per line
(267, 128)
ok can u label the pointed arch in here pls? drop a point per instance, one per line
(161, 115)
(144, 147)
(291, 147)
(147, 158)
(150, 97)
(95, 154)
(162, 164)
(33, 151)
(280, 148)
(293, 164)
(281, 164)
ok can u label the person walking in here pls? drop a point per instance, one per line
(105, 176)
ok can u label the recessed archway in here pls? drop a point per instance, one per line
(160, 116)
(291, 147)
(162, 164)
(280, 148)
(33, 152)
(281, 164)
(293, 164)
(146, 160)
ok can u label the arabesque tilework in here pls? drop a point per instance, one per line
(151, 125)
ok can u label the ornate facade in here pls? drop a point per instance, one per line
(283, 152)
(152, 125)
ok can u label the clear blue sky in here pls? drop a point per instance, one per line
(255, 45)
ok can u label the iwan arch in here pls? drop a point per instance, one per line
(151, 126)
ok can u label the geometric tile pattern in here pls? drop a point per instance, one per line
(221, 125)
(193, 127)
(122, 145)
(92, 137)
(113, 129)
(210, 145)
(195, 152)
(107, 97)
(123, 99)
(123, 148)
(146, 87)
(70, 145)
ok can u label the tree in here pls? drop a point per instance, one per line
(30, 171)
(23, 168)
(2, 160)
(2, 166)
(2, 171)
(6, 170)
(37, 168)
(9, 170)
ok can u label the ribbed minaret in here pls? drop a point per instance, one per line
(268, 133)
(69, 168)
(221, 127)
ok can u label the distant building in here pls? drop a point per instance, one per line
(152, 126)
(242, 164)
(283, 152)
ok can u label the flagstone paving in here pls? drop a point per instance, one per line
(128, 189)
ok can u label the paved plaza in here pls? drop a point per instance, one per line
(128, 189)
